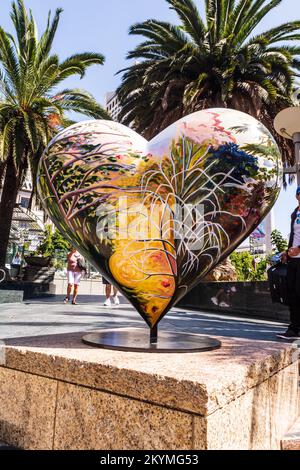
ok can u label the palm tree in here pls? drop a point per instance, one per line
(215, 61)
(31, 108)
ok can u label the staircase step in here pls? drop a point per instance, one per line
(291, 440)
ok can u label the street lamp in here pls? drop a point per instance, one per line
(287, 124)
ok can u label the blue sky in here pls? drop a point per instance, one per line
(102, 26)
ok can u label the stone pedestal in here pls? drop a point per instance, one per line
(291, 440)
(57, 393)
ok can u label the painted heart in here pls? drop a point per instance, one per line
(155, 217)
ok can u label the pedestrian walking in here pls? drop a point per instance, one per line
(109, 290)
(74, 273)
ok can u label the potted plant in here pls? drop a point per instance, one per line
(52, 243)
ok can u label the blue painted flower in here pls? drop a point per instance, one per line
(230, 158)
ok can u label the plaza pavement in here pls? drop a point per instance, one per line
(50, 316)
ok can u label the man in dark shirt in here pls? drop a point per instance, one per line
(292, 257)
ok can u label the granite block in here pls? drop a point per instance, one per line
(199, 383)
(27, 409)
(72, 396)
(256, 420)
(291, 440)
(90, 419)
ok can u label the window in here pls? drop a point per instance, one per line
(24, 202)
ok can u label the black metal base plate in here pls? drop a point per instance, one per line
(136, 339)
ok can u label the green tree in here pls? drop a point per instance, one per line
(260, 271)
(31, 108)
(278, 241)
(243, 263)
(246, 267)
(53, 241)
(60, 243)
(46, 248)
(54, 245)
(216, 61)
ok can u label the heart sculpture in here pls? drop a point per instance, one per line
(155, 217)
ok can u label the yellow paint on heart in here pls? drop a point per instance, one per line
(146, 270)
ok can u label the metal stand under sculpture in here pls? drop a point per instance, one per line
(138, 340)
(155, 217)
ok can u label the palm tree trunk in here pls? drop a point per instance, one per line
(2, 169)
(7, 204)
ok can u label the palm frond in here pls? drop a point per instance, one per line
(31, 109)
(190, 17)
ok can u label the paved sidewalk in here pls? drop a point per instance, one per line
(50, 316)
(4, 446)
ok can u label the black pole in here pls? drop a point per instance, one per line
(153, 335)
(296, 139)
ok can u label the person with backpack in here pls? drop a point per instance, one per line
(292, 258)
(75, 267)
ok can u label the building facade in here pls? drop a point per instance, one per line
(28, 225)
(256, 244)
(112, 104)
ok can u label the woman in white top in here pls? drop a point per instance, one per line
(74, 273)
